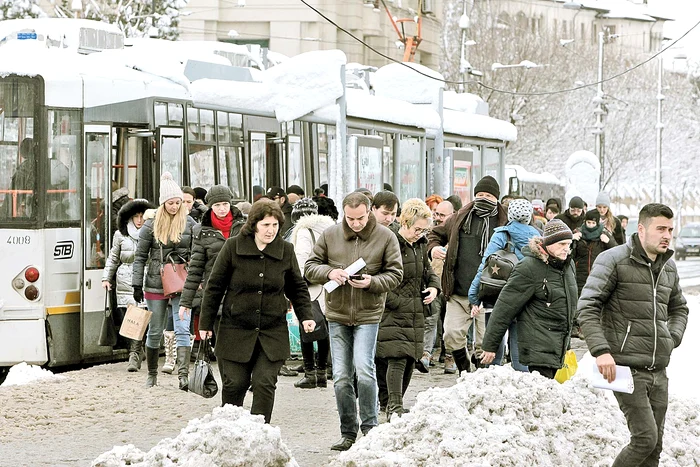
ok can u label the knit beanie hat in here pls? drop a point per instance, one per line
(304, 207)
(168, 188)
(603, 199)
(576, 202)
(520, 210)
(218, 194)
(200, 193)
(592, 215)
(556, 231)
(488, 184)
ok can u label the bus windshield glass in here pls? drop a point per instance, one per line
(18, 202)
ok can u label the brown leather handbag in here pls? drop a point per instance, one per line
(172, 275)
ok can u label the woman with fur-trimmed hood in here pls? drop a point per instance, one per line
(308, 227)
(118, 269)
(541, 293)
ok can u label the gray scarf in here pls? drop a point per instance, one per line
(485, 209)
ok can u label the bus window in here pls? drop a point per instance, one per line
(492, 159)
(175, 114)
(17, 150)
(97, 189)
(410, 175)
(201, 165)
(231, 170)
(63, 176)
(258, 154)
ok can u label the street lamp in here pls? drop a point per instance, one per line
(527, 64)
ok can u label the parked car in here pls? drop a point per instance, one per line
(688, 241)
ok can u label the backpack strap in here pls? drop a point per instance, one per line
(509, 241)
(313, 237)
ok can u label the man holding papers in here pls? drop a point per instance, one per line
(355, 307)
(632, 313)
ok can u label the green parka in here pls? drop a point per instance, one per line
(543, 300)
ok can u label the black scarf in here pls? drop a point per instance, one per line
(557, 263)
(485, 209)
(591, 234)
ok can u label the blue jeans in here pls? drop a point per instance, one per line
(159, 308)
(512, 346)
(352, 350)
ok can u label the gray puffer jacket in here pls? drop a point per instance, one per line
(633, 308)
(148, 253)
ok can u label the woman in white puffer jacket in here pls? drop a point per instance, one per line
(120, 261)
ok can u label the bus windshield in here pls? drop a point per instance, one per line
(17, 150)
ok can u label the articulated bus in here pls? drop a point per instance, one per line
(76, 126)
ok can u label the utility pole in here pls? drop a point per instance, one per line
(599, 112)
(464, 25)
(659, 131)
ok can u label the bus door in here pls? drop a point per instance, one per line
(170, 153)
(131, 156)
(96, 234)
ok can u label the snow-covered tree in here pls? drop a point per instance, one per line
(137, 18)
(18, 9)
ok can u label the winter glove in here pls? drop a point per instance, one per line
(138, 294)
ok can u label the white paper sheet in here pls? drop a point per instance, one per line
(623, 379)
(330, 286)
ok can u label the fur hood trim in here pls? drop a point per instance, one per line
(315, 222)
(150, 213)
(129, 210)
(537, 250)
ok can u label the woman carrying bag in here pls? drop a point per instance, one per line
(120, 262)
(164, 242)
(254, 274)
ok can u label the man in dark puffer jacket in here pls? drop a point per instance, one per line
(632, 312)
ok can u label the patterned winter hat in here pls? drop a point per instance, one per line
(304, 207)
(169, 189)
(520, 210)
(556, 231)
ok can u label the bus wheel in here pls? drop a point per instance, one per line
(4, 370)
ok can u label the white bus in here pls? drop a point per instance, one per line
(76, 125)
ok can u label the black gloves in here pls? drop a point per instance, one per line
(138, 294)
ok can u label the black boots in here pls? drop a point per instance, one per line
(152, 362)
(183, 360)
(343, 445)
(134, 356)
(308, 381)
(321, 378)
(461, 360)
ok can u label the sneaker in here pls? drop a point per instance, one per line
(424, 362)
(450, 366)
(286, 371)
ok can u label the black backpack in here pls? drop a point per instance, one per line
(497, 270)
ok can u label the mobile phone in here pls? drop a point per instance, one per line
(356, 277)
(424, 295)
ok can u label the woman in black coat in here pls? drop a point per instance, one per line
(255, 273)
(400, 336)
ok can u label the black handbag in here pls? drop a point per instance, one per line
(320, 332)
(202, 380)
(108, 331)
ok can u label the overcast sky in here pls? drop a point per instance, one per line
(686, 13)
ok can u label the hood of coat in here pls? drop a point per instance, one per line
(520, 234)
(315, 222)
(150, 214)
(129, 210)
(535, 248)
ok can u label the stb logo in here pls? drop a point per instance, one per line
(63, 250)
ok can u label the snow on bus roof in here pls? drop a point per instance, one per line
(530, 177)
(481, 126)
(400, 81)
(238, 95)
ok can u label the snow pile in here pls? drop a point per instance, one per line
(24, 374)
(499, 417)
(410, 82)
(465, 102)
(229, 436)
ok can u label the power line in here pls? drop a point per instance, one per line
(490, 88)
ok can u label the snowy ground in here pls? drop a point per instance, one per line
(494, 417)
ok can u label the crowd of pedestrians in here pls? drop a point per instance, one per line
(424, 295)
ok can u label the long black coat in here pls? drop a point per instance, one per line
(584, 253)
(543, 299)
(206, 246)
(253, 285)
(401, 328)
(148, 253)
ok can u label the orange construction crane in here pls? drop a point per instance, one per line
(410, 43)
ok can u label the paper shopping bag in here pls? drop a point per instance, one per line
(135, 322)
